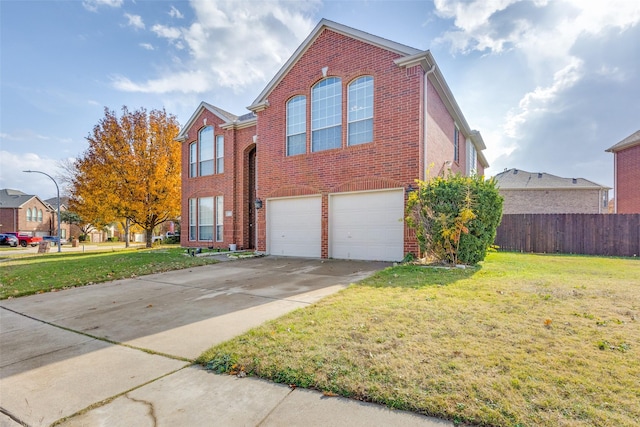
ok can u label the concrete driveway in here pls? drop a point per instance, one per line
(63, 352)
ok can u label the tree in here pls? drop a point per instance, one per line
(455, 217)
(131, 170)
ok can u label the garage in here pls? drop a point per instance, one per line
(294, 226)
(367, 225)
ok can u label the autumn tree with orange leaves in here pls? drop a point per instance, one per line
(131, 171)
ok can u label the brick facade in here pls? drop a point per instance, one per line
(627, 193)
(587, 201)
(409, 142)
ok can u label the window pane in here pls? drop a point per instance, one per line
(219, 154)
(205, 218)
(296, 125)
(219, 218)
(360, 111)
(192, 219)
(361, 132)
(326, 114)
(193, 162)
(206, 150)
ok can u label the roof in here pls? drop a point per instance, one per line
(630, 141)
(13, 198)
(515, 179)
(230, 120)
(409, 57)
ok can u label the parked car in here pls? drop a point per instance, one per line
(8, 239)
(26, 239)
(54, 240)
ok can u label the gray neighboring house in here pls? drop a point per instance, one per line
(542, 193)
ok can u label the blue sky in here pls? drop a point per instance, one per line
(550, 84)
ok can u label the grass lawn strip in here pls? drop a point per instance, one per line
(523, 340)
(34, 273)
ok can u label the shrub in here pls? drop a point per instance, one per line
(455, 217)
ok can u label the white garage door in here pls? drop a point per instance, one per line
(367, 225)
(294, 226)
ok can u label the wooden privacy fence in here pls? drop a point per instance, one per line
(589, 234)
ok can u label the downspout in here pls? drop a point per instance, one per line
(423, 172)
(615, 182)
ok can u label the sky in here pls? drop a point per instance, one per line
(550, 84)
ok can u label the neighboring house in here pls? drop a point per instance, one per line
(65, 229)
(322, 165)
(543, 193)
(26, 213)
(626, 172)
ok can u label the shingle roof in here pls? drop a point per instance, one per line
(630, 141)
(13, 198)
(515, 179)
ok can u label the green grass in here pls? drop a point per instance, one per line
(27, 273)
(523, 340)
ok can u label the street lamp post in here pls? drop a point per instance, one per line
(58, 190)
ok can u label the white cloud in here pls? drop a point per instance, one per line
(231, 44)
(94, 5)
(135, 21)
(175, 13)
(147, 46)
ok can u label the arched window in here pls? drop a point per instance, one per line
(360, 113)
(29, 217)
(297, 125)
(40, 215)
(326, 114)
(205, 148)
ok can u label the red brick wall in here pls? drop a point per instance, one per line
(393, 158)
(628, 180)
(228, 184)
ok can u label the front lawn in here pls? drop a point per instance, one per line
(27, 274)
(523, 340)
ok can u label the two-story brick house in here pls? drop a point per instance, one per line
(323, 164)
(626, 172)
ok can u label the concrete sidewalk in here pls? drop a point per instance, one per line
(120, 353)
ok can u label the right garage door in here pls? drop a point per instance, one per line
(367, 225)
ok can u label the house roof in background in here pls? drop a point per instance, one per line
(630, 141)
(10, 198)
(516, 179)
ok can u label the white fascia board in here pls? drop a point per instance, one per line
(182, 136)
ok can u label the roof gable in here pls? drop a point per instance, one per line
(515, 179)
(261, 101)
(630, 141)
(218, 112)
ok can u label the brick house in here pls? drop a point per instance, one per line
(626, 172)
(542, 193)
(322, 165)
(27, 214)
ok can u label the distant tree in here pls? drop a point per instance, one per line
(74, 218)
(131, 170)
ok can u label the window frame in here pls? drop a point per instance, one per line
(456, 144)
(205, 203)
(219, 218)
(193, 221)
(301, 123)
(324, 120)
(368, 99)
(209, 162)
(219, 154)
(193, 159)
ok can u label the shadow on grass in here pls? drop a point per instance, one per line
(418, 276)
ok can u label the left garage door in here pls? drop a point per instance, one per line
(294, 226)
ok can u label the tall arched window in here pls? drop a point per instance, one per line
(29, 217)
(205, 149)
(360, 113)
(326, 114)
(297, 125)
(40, 215)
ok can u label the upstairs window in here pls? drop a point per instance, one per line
(219, 154)
(360, 111)
(326, 115)
(205, 148)
(297, 125)
(472, 159)
(29, 214)
(40, 215)
(193, 160)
